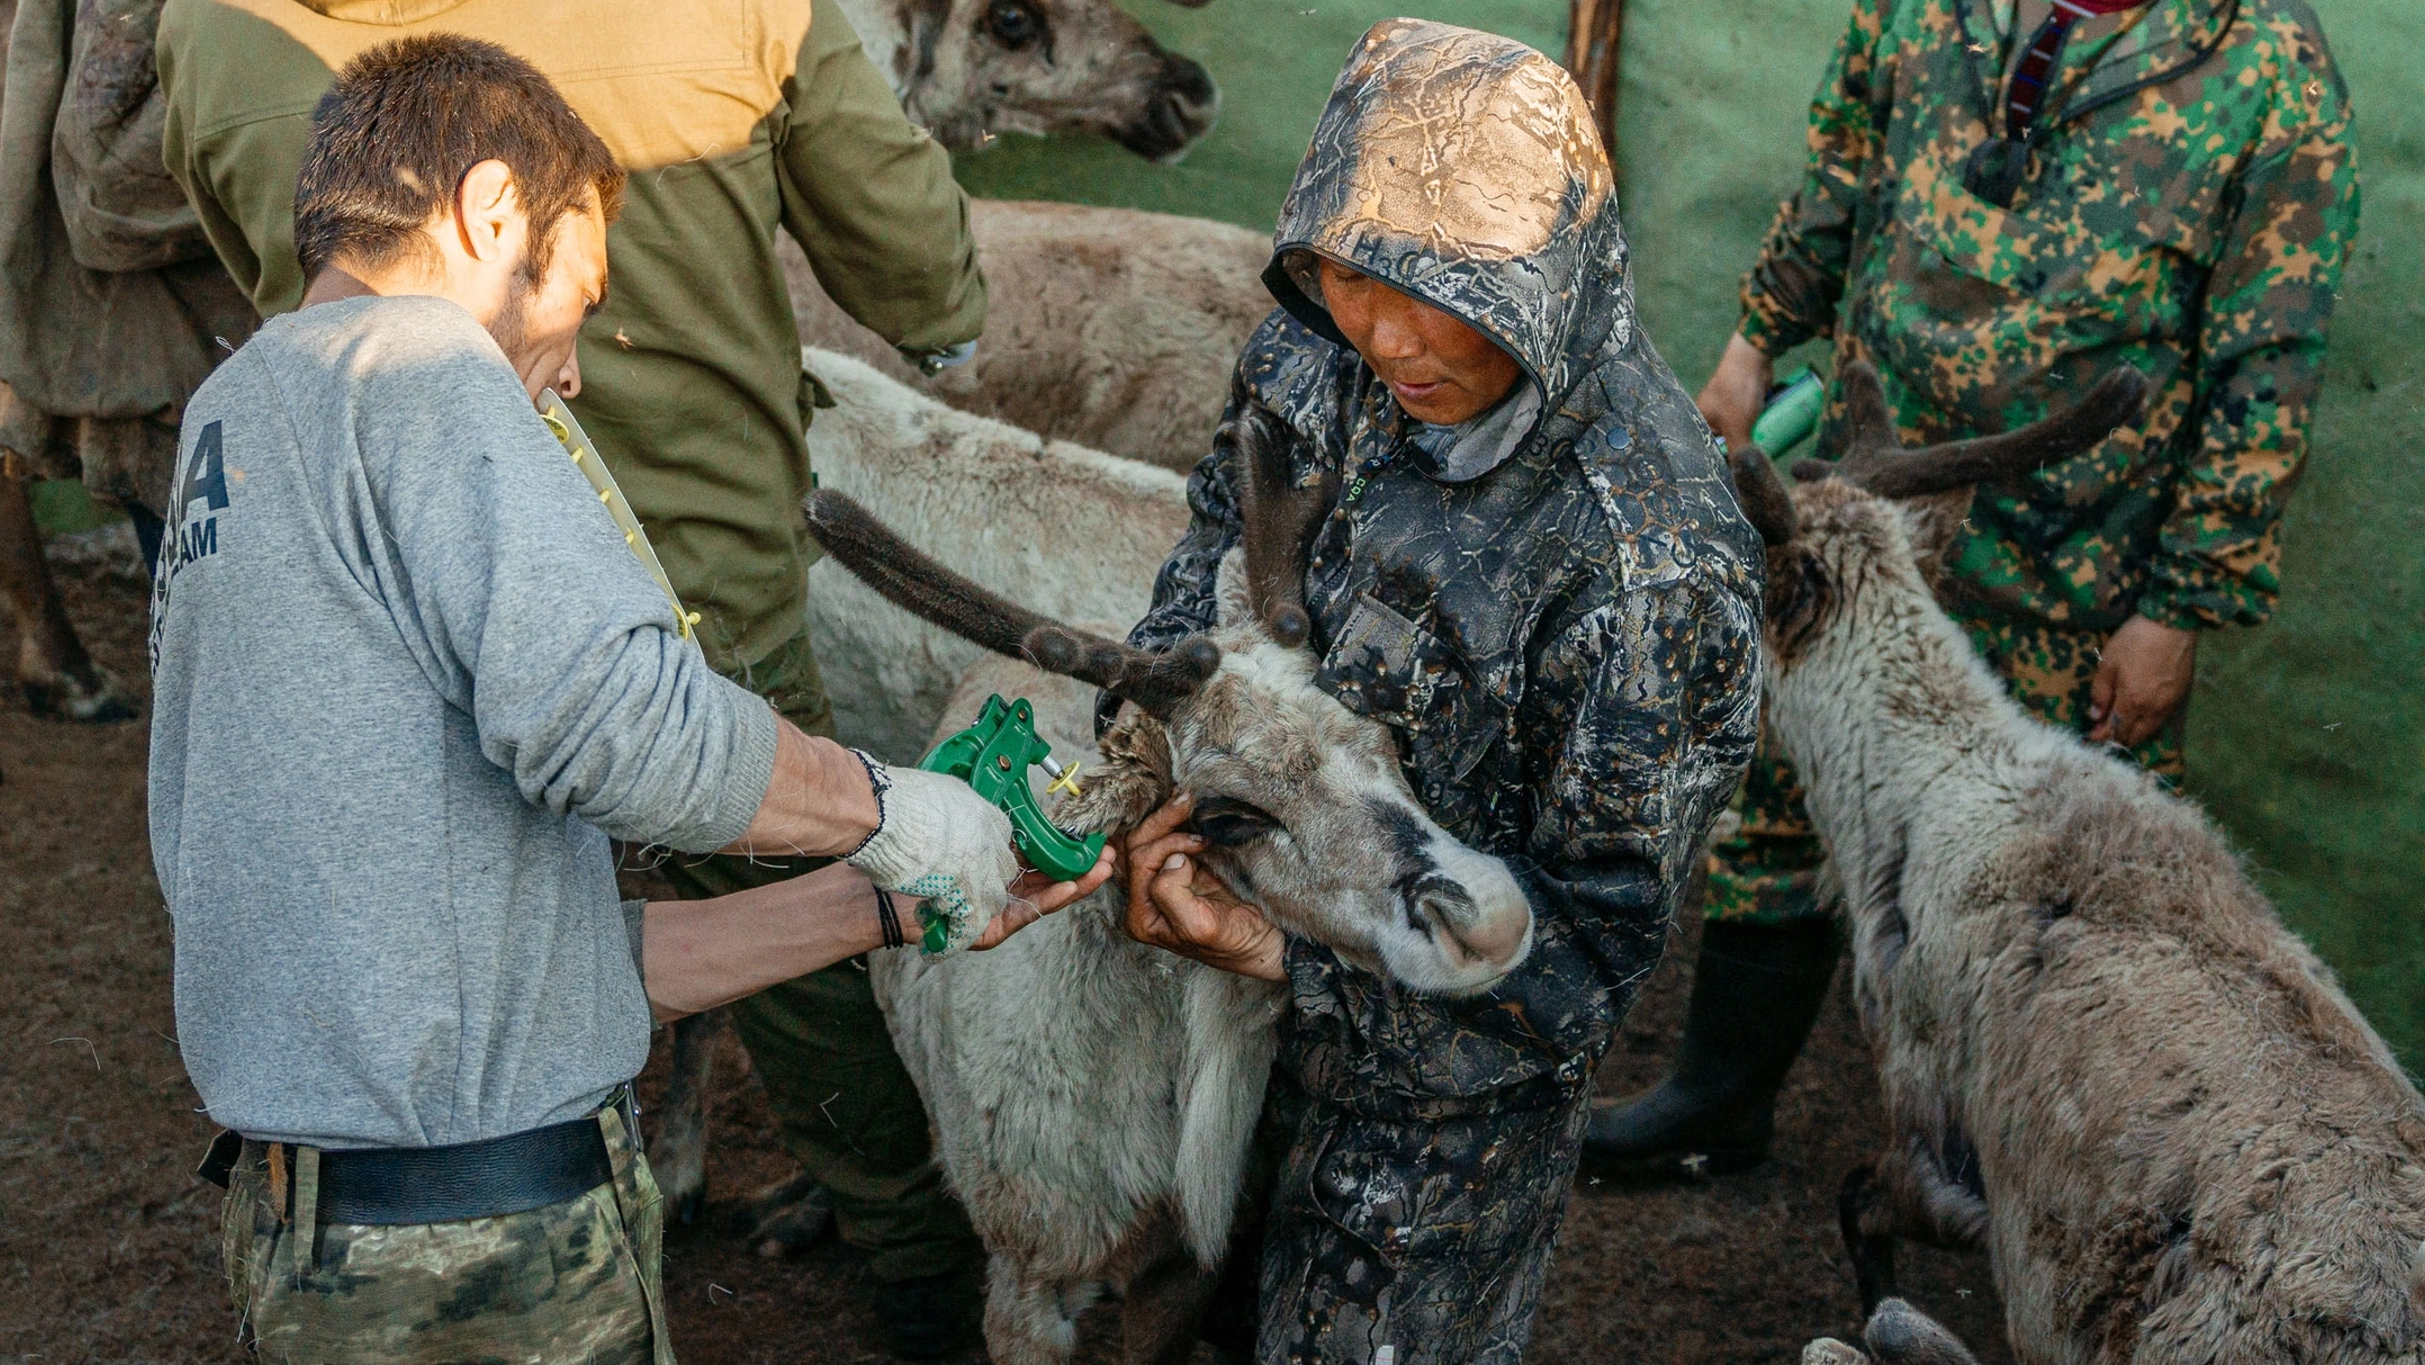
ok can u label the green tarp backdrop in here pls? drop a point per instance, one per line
(2305, 736)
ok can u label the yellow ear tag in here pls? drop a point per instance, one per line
(1066, 782)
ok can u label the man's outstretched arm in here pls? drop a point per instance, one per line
(696, 955)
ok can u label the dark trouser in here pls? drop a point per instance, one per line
(1429, 1237)
(849, 1113)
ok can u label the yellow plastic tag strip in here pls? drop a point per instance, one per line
(560, 420)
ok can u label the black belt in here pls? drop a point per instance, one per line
(398, 1185)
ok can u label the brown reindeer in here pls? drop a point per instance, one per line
(2103, 1057)
(971, 69)
(1113, 328)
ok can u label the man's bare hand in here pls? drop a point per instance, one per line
(1731, 401)
(1176, 904)
(2142, 679)
(1034, 896)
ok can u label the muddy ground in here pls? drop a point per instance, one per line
(108, 1246)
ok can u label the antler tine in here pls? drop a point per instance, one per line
(1879, 463)
(1764, 498)
(1278, 518)
(911, 580)
(1155, 680)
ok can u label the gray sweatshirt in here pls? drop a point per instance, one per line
(407, 680)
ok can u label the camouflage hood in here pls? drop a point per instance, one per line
(1464, 169)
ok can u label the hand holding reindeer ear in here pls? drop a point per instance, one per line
(1178, 905)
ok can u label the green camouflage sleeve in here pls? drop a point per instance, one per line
(2261, 358)
(1790, 294)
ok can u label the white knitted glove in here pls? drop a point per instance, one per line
(939, 841)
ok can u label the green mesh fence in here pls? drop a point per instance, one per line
(2305, 735)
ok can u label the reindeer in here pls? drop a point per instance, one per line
(55, 674)
(1113, 328)
(971, 69)
(1896, 1334)
(1070, 530)
(1093, 1099)
(2103, 1057)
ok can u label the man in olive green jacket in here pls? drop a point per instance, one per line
(734, 118)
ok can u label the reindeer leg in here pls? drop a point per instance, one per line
(1163, 1311)
(788, 1216)
(58, 677)
(1859, 1210)
(679, 1154)
(1028, 1321)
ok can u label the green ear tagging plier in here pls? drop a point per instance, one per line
(993, 757)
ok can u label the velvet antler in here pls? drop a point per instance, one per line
(1876, 460)
(1278, 519)
(909, 579)
(1767, 503)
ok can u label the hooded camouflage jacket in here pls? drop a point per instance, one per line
(1566, 642)
(2189, 204)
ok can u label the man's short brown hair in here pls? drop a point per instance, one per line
(407, 120)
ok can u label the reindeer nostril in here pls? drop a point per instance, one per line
(1188, 83)
(1438, 908)
(1441, 908)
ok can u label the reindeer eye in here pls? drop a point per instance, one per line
(1226, 822)
(1014, 23)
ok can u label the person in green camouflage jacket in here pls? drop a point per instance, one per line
(2182, 200)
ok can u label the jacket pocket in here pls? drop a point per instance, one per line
(1386, 667)
(1985, 310)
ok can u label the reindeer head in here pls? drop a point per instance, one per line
(1875, 524)
(968, 69)
(1856, 643)
(1300, 801)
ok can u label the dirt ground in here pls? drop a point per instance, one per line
(108, 1245)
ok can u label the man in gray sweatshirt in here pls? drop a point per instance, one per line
(410, 676)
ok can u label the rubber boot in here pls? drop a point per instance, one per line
(1756, 991)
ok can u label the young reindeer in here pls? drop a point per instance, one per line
(1093, 1098)
(2103, 1057)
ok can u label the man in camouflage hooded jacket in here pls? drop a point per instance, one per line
(2181, 198)
(1554, 607)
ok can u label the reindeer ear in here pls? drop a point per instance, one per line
(1799, 596)
(1133, 778)
(1233, 595)
(1761, 494)
(1930, 521)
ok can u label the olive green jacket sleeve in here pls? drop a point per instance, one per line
(871, 198)
(258, 170)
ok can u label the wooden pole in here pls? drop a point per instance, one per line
(1595, 29)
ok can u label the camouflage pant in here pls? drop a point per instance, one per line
(1430, 1238)
(576, 1281)
(1768, 870)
